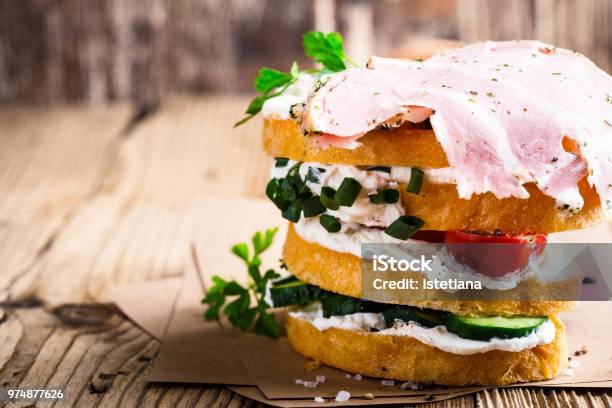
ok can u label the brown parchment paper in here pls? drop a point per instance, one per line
(196, 351)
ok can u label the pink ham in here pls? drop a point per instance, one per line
(500, 111)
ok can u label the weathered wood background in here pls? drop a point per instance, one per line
(143, 50)
(93, 196)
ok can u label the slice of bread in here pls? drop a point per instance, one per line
(340, 273)
(404, 358)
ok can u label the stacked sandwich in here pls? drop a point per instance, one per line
(490, 143)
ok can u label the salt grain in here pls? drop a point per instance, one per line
(574, 364)
(342, 396)
(299, 381)
(310, 384)
(369, 396)
(347, 376)
(569, 372)
(319, 399)
(357, 377)
(320, 378)
(387, 382)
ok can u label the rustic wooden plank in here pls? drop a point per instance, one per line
(50, 161)
(138, 225)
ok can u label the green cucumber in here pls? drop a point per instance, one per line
(339, 305)
(293, 292)
(485, 328)
(424, 317)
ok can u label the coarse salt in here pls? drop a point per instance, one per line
(387, 382)
(299, 381)
(357, 377)
(347, 376)
(342, 396)
(319, 399)
(310, 384)
(320, 378)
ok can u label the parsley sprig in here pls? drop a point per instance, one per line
(239, 311)
(326, 49)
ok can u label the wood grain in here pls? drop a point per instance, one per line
(145, 51)
(86, 204)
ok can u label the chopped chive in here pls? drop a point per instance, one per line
(328, 199)
(275, 194)
(312, 175)
(295, 168)
(416, 181)
(379, 168)
(404, 227)
(330, 223)
(271, 188)
(348, 191)
(390, 196)
(281, 161)
(312, 206)
(292, 212)
(287, 190)
(386, 196)
(376, 198)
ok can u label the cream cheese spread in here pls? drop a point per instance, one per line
(363, 211)
(437, 337)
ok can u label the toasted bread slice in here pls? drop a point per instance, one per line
(407, 359)
(341, 273)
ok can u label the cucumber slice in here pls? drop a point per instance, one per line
(424, 317)
(485, 328)
(293, 292)
(338, 305)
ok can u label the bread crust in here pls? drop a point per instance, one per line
(439, 205)
(404, 358)
(340, 273)
(282, 138)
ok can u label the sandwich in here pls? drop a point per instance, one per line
(491, 143)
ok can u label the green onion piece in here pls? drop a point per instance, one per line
(404, 227)
(312, 175)
(275, 194)
(376, 198)
(312, 206)
(328, 199)
(292, 212)
(416, 181)
(281, 161)
(271, 188)
(287, 190)
(294, 168)
(390, 196)
(387, 196)
(379, 168)
(348, 191)
(330, 223)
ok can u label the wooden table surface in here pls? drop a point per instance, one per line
(91, 197)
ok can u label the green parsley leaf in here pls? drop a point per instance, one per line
(269, 79)
(234, 300)
(326, 49)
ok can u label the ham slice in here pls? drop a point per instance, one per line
(500, 111)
